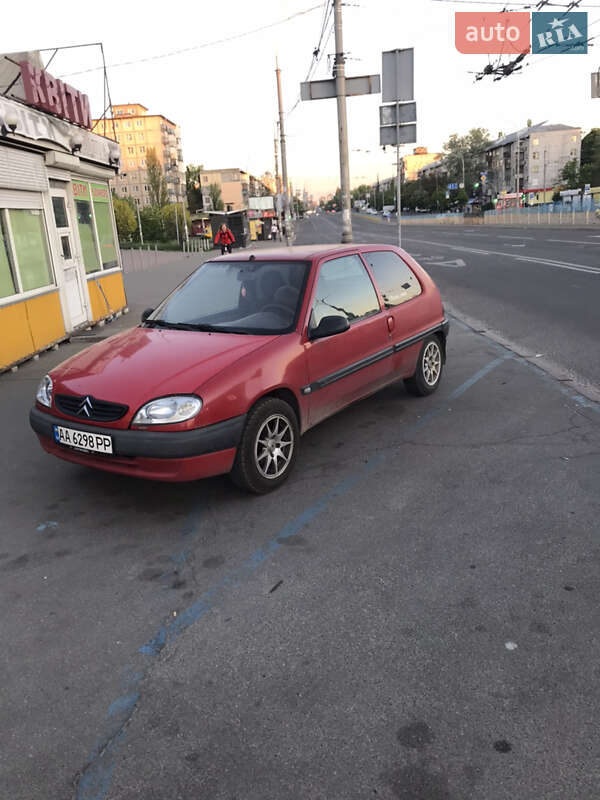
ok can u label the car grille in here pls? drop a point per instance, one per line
(86, 407)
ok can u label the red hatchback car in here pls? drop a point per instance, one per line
(248, 353)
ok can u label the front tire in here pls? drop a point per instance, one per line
(429, 369)
(268, 448)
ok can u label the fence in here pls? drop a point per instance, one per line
(580, 212)
(145, 256)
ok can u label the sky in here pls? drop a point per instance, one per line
(224, 97)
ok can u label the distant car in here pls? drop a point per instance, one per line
(242, 358)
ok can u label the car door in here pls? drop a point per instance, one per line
(349, 365)
(400, 289)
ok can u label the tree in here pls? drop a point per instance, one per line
(157, 185)
(360, 193)
(569, 175)
(214, 190)
(152, 224)
(124, 217)
(170, 227)
(590, 158)
(471, 148)
(192, 186)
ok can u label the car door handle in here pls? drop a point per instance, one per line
(390, 324)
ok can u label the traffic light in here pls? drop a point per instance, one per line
(476, 185)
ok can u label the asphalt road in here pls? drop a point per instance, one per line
(412, 616)
(535, 289)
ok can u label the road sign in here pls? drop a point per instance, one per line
(398, 114)
(407, 134)
(452, 186)
(398, 75)
(595, 84)
(321, 90)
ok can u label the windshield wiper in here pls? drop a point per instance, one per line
(182, 326)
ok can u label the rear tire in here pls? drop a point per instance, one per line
(429, 369)
(268, 447)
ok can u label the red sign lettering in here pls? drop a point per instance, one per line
(51, 94)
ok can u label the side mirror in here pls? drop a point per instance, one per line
(146, 313)
(330, 326)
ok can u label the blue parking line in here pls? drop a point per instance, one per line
(95, 779)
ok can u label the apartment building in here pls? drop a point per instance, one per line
(235, 185)
(138, 132)
(413, 162)
(530, 160)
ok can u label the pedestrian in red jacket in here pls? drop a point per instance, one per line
(225, 238)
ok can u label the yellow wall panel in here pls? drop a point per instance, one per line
(113, 291)
(15, 337)
(45, 319)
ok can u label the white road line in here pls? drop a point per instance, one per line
(518, 245)
(501, 236)
(572, 241)
(534, 260)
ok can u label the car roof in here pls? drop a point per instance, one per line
(301, 252)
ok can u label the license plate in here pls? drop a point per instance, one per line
(82, 440)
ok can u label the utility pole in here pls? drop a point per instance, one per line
(340, 86)
(544, 200)
(518, 170)
(137, 208)
(399, 194)
(277, 178)
(185, 227)
(286, 201)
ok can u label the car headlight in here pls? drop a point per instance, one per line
(167, 410)
(44, 392)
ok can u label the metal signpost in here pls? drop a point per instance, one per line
(398, 121)
(340, 86)
(596, 84)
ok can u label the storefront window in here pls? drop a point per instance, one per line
(31, 248)
(85, 224)
(7, 281)
(104, 226)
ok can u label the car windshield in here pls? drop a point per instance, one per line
(252, 297)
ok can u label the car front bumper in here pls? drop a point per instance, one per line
(166, 456)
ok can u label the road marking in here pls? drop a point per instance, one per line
(572, 241)
(546, 261)
(518, 245)
(502, 236)
(457, 262)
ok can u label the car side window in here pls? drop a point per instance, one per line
(394, 278)
(344, 288)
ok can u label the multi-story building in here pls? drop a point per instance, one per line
(531, 160)
(268, 179)
(235, 186)
(138, 132)
(434, 169)
(413, 162)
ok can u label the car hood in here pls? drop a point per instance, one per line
(140, 364)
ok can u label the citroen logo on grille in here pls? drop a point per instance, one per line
(85, 407)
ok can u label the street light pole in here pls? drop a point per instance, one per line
(137, 208)
(284, 172)
(340, 90)
(398, 194)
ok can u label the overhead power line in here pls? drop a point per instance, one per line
(202, 46)
(568, 6)
(321, 47)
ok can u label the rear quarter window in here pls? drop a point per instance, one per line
(395, 279)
